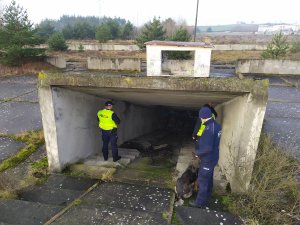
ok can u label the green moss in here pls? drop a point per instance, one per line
(21, 156)
(162, 174)
(33, 139)
(165, 215)
(40, 166)
(76, 202)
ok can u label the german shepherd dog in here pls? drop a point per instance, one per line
(185, 184)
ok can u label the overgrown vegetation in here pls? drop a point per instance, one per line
(274, 194)
(18, 37)
(33, 140)
(277, 48)
(36, 172)
(295, 47)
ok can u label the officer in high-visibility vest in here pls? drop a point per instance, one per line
(207, 149)
(108, 123)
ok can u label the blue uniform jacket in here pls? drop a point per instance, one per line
(207, 145)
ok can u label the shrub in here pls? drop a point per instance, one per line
(57, 42)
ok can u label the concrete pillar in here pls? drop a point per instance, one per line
(50, 133)
(241, 120)
(153, 61)
(202, 62)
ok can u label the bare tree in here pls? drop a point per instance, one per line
(170, 27)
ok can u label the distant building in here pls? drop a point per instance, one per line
(284, 28)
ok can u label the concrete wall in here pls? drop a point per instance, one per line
(59, 62)
(114, 64)
(71, 126)
(239, 47)
(154, 59)
(103, 47)
(179, 67)
(280, 67)
(241, 120)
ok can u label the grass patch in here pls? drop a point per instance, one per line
(33, 139)
(274, 194)
(27, 68)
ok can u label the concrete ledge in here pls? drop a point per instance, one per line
(233, 86)
(274, 67)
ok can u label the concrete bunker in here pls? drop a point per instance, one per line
(199, 67)
(69, 104)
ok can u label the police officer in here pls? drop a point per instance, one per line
(199, 126)
(207, 149)
(108, 121)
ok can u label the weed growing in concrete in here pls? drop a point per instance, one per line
(175, 220)
(274, 194)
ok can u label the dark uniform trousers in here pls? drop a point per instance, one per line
(205, 183)
(110, 136)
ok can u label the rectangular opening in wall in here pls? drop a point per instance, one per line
(178, 63)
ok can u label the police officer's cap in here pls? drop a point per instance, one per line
(205, 113)
(109, 103)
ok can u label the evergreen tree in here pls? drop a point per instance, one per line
(114, 28)
(181, 34)
(57, 42)
(17, 37)
(45, 30)
(277, 48)
(127, 31)
(151, 31)
(103, 33)
(68, 32)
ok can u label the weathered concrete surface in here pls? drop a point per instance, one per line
(19, 109)
(117, 203)
(59, 62)
(19, 117)
(62, 99)
(106, 215)
(114, 64)
(275, 67)
(9, 147)
(194, 216)
(56, 181)
(26, 213)
(42, 194)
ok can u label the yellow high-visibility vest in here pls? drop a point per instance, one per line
(202, 127)
(105, 119)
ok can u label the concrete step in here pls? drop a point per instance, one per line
(26, 213)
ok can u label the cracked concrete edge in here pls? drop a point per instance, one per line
(258, 88)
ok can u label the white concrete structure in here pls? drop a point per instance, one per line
(201, 62)
(271, 66)
(59, 62)
(95, 63)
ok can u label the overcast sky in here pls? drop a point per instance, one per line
(211, 12)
